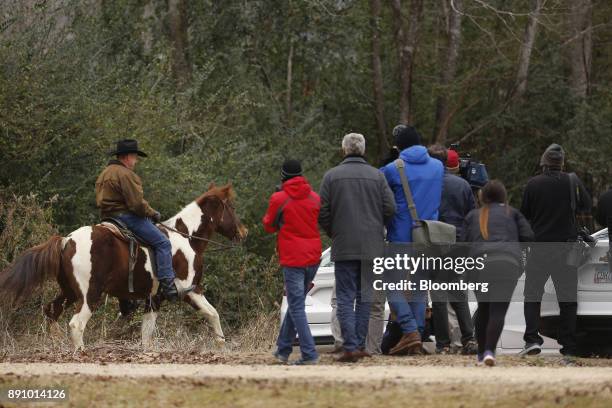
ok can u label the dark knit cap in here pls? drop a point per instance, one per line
(406, 136)
(553, 157)
(290, 169)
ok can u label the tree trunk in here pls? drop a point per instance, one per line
(178, 25)
(527, 47)
(406, 39)
(148, 18)
(377, 80)
(581, 42)
(449, 69)
(288, 102)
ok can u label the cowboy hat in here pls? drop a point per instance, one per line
(127, 146)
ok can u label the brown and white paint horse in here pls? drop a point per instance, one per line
(91, 261)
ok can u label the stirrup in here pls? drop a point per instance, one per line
(181, 290)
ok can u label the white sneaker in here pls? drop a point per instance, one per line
(489, 359)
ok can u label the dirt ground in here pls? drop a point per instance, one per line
(112, 376)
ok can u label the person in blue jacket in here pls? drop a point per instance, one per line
(425, 175)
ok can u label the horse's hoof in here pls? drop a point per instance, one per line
(220, 342)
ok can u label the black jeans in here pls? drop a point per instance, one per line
(542, 264)
(493, 305)
(459, 302)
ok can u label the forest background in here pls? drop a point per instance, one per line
(224, 91)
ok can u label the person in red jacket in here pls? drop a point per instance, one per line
(293, 212)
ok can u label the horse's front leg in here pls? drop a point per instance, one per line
(199, 302)
(148, 323)
(148, 327)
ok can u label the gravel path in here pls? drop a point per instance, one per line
(325, 373)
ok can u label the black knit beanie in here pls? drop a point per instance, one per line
(406, 136)
(553, 157)
(290, 169)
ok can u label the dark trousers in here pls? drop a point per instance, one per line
(489, 319)
(493, 305)
(542, 264)
(353, 309)
(459, 303)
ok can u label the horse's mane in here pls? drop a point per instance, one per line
(221, 192)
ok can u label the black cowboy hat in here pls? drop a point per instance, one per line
(127, 146)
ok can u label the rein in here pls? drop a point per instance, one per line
(222, 246)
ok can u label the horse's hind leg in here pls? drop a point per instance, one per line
(200, 303)
(127, 308)
(54, 309)
(77, 325)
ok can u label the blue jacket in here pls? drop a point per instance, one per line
(457, 201)
(425, 179)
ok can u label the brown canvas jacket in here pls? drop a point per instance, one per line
(119, 190)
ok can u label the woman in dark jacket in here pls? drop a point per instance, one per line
(497, 229)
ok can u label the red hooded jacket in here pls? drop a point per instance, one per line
(294, 213)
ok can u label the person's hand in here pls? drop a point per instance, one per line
(156, 217)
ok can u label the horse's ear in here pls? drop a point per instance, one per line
(211, 186)
(228, 190)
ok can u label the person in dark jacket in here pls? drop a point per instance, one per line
(548, 206)
(457, 201)
(496, 228)
(604, 218)
(293, 213)
(356, 202)
(424, 176)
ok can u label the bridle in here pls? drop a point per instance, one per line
(222, 246)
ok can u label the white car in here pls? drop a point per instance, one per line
(594, 312)
(594, 323)
(318, 301)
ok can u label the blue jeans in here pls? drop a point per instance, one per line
(353, 314)
(409, 312)
(149, 233)
(297, 283)
(409, 315)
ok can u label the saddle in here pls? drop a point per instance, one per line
(122, 232)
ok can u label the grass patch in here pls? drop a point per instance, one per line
(103, 391)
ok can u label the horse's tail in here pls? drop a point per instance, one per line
(30, 270)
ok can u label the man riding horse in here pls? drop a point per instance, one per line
(119, 195)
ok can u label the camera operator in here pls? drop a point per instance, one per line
(457, 201)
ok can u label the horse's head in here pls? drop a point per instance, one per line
(218, 203)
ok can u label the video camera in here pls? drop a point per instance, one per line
(474, 172)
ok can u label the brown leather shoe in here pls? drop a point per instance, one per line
(410, 343)
(349, 357)
(336, 350)
(363, 353)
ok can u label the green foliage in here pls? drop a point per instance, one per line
(75, 76)
(25, 221)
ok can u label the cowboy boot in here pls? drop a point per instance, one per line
(171, 291)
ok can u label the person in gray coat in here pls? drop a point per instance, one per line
(356, 202)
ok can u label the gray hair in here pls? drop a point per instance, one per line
(353, 143)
